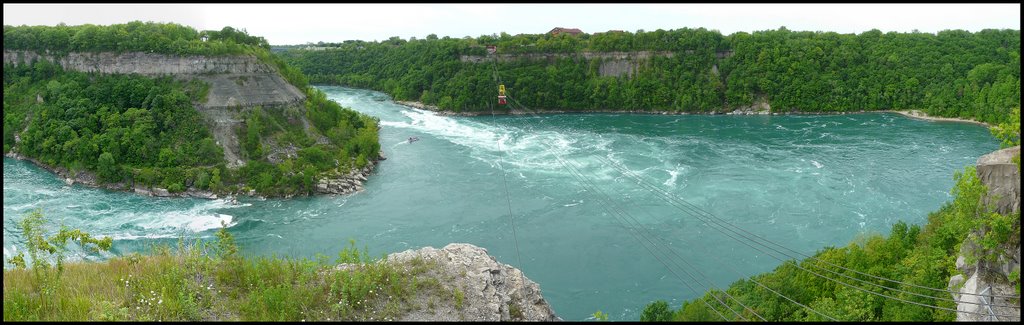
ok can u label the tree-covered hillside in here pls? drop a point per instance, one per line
(136, 36)
(141, 130)
(953, 73)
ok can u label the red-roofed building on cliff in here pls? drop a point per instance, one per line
(560, 30)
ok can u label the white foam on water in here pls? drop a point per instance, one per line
(817, 164)
(672, 180)
(463, 133)
(188, 221)
(127, 236)
(171, 223)
(22, 206)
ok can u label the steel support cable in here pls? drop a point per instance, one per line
(839, 266)
(635, 235)
(844, 283)
(508, 200)
(696, 269)
(742, 275)
(812, 272)
(669, 196)
(625, 216)
(498, 78)
(852, 270)
(734, 271)
(582, 179)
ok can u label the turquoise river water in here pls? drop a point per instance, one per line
(804, 182)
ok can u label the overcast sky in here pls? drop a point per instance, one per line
(284, 24)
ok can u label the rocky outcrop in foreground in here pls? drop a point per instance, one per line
(491, 291)
(984, 294)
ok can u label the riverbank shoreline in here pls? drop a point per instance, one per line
(341, 185)
(915, 114)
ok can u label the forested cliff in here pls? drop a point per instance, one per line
(163, 108)
(953, 73)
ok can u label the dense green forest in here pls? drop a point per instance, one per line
(143, 130)
(148, 37)
(953, 73)
(136, 36)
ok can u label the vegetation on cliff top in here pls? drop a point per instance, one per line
(206, 280)
(136, 36)
(133, 129)
(953, 73)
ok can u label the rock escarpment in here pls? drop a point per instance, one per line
(613, 63)
(997, 171)
(491, 291)
(983, 295)
(237, 83)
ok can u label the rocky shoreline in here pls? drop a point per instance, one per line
(913, 113)
(340, 185)
(917, 114)
(348, 183)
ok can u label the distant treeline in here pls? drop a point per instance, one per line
(953, 73)
(136, 36)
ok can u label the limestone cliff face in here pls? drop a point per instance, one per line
(997, 171)
(613, 64)
(237, 83)
(491, 291)
(983, 294)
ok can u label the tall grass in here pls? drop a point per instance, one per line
(198, 281)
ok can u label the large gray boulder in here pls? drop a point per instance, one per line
(491, 291)
(997, 171)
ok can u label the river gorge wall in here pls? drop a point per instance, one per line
(613, 64)
(237, 84)
(984, 286)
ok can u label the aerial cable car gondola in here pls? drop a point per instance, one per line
(501, 95)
